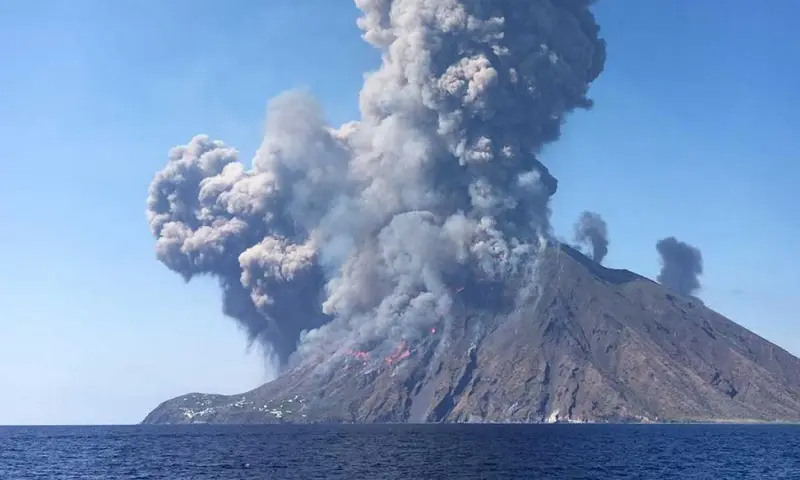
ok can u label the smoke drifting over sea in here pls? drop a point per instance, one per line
(591, 230)
(681, 266)
(361, 234)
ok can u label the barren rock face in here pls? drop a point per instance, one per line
(594, 345)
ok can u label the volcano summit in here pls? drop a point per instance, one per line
(597, 345)
(403, 268)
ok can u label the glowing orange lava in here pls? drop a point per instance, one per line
(358, 355)
(399, 353)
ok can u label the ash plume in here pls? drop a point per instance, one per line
(591, 231)
(681, 265)
(361, 234)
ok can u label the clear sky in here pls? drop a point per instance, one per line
(694, 134)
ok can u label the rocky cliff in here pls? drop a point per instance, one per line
(595, 345)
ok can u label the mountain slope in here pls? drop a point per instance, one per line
(596, 345)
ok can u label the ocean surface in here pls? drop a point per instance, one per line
(407, 452)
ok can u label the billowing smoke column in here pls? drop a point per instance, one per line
(591, 230)
(358, 235)
(681, 265)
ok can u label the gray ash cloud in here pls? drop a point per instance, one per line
(591, 230)
(358, 234)
(681, 265)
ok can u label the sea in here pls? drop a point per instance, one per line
(403, 452)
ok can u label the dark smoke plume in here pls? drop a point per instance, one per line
(681, 265)
(591, 230)
(360, 234)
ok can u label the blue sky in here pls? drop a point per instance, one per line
(691, 136)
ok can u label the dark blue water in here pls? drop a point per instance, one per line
(402, 452)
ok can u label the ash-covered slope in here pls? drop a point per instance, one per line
(595, 345)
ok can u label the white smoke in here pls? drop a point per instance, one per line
(360, 234)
